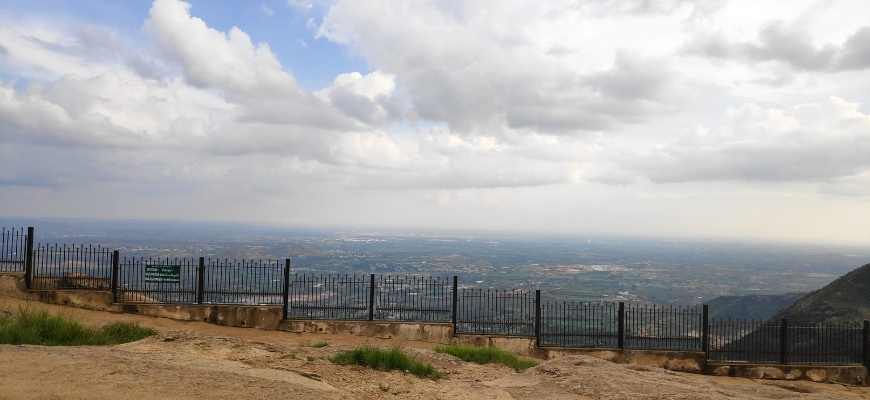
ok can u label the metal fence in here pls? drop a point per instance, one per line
(663, 327)
(61, 266)
(412, 298)
(13, 242)
(496, 312)
(200, 281)
(329, 296)
(157, 280)
(369, 297)
(787, 342)
(486, 311)
(243, 282)
(578, 324)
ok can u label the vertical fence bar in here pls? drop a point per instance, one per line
(783, 342)
(371, 297)
(865, 347)
(200, 281)
(115, 271)
(705, 331)
(455, 297)
(621, 326)
(538, 318)
(28, 258)
(286, 309)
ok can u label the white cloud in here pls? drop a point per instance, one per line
(808, 142)
(530, 109)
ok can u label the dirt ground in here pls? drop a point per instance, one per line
(194, 360)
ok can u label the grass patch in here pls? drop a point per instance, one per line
(40, 327)
(487, 355)
(319, 344)
(385, 360)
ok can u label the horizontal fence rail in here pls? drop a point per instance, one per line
(496, 312)
(61, 266)
(12, 248)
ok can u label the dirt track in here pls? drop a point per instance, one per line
(192, 360)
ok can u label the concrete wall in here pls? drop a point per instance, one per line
(264, 317)
(427, 332)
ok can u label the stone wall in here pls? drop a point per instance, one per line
(846, 374)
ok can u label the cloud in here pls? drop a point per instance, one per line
(790, 45)
(217, 102)
(467, 69)
(368, 98)
(819, 142)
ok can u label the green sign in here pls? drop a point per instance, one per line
(162, 273)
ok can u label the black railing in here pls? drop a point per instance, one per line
(576, 324)
(786, 342)
(412, 298)
(251, 282)
(13, 242)
(663, 327)
(200, 281)
(485, 311)
(157, 280)
(329, 296)
(496, 312)
(62, 266)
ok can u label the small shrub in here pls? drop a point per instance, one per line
(487, 355)
(319, 344)
(42, 328)
(385, 360)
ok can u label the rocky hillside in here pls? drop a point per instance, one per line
(845, 299)
(751, 306)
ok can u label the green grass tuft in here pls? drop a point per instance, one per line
(319, 344)
(385, 360)
(487, 355)
(42, 328)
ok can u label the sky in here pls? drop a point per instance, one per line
(672, 118)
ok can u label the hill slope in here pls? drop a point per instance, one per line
(751, 306)
(845, 299)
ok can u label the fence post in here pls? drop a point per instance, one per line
(200, 281)
(453, 305)
(116, 255)
(28, 258)
(538, 318)
(783, 342)
(865, 337)
(621, 326)
(371, 297)
(286, 289)
(705, 332)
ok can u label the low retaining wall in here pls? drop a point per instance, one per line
(847, 374)
(427, 332)
(264, 317)
(685, 361)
